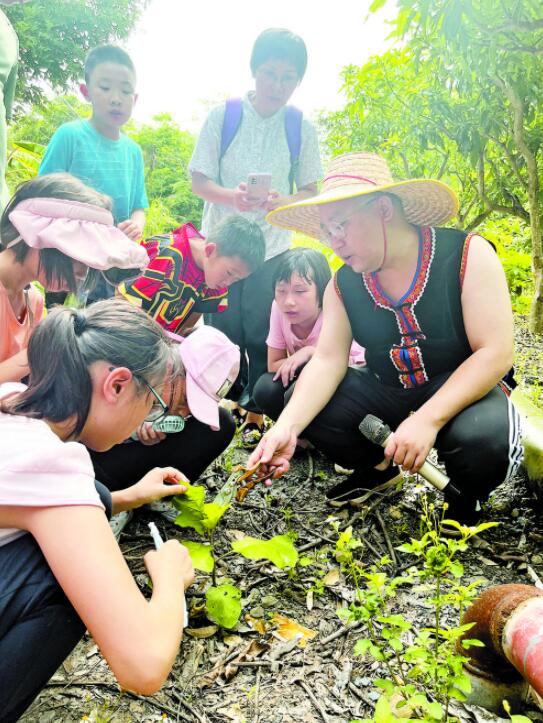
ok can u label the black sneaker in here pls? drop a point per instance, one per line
(464, 510)
(354, 490)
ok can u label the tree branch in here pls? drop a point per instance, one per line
(478, 220)
(443, 166)
(513, 161)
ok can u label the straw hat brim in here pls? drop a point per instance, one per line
(425, 203)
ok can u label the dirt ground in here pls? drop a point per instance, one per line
(248, 676)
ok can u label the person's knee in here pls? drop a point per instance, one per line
(479, 437)
(269, 395)
(475, 450)
(227, 428)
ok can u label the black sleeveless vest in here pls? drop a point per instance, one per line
(410, 341)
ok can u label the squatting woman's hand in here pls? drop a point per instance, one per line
(289, 368)
(410, 444)
(149, 436)
(274, 450)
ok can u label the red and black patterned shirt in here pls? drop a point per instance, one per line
(173, 286)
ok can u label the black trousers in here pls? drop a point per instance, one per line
(38, 625)
(480, 447)
(190, 451)
(270, 395)
(246, 322)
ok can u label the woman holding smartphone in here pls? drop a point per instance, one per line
(248, 138)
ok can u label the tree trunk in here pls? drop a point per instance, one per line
(536, 311)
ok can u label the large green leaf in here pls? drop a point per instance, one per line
(223, 605)
(212, 514)
(195, 513)
(191, 509)
(201, 555)
(280, 550)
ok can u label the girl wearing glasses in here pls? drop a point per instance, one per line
(58, 231)
(93, 378)
(187, 428)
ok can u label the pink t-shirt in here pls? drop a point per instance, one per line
(281, 336)
(37, 469)
(14, 334)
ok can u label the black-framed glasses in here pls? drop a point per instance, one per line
(338, 229)
(160, 409)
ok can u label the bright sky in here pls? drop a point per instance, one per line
(190, 55)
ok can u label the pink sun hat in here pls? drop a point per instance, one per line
(82, 231)
(211, 364)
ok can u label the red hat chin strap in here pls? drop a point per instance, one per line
(385, 245)
(349, 175)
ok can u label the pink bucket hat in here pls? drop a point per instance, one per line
(211, 364)
(81, 231)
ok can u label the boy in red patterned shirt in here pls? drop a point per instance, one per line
(188, 274)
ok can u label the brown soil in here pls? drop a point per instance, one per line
(323, 681)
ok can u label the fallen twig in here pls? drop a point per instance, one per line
(338, 633)
(256, 711)
(315, 532)
(387, 538)
(282, 649)
(359, 694)
(314, 700)
(117, 691)
(183, 702)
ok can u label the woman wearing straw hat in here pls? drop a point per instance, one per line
(432, 309)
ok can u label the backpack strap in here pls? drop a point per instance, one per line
(293, 131)
(233, 112)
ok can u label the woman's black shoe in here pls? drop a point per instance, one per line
(353, 490)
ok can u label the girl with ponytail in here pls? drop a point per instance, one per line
(95, 376)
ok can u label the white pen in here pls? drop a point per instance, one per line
(157, 539)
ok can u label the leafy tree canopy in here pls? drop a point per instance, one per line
(54, 38)
(460, 101)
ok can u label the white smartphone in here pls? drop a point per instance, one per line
(258, 186)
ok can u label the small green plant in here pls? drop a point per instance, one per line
(424, 667)
(223, 602)
(318, 564)
(514, 718)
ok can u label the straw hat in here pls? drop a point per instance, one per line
(425, 202)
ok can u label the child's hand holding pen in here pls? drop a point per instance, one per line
(187, 570)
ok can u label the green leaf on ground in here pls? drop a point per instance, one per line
(191, 509)
(201, 555)
(280, 550)
(212, 514)
(223, 605)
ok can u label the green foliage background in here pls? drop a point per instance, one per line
(458, 98)
(56, 35)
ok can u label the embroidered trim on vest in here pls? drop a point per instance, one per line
(407, 356)
(336, 287)
(464, 261)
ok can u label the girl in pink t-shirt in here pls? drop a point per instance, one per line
(95, 375)
(295, 325)
(58, 231)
